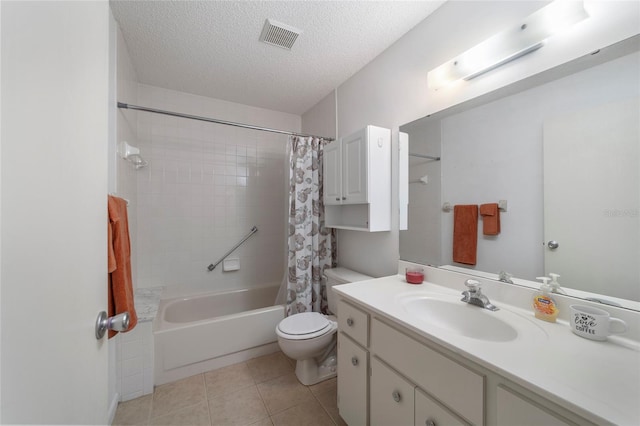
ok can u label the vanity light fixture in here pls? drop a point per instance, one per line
(529, 35)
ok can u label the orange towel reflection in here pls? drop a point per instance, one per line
(465, 233)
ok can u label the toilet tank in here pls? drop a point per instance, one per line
(337, 276)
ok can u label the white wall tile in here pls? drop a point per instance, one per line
(203, 191)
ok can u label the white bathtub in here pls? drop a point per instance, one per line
(208, 331)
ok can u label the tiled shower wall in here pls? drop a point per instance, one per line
(205, 187)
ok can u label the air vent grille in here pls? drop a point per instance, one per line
(278, 34)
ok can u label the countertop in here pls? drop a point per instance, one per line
(599, 381)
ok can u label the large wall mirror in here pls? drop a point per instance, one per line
(564, 155)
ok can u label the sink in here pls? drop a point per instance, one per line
(454, 316)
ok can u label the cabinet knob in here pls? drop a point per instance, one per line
(354, 361)
(430, 422)
(337, 198)
(396, 396)
(344, 198)
(350, 322)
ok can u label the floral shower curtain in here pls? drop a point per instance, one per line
(311, 246)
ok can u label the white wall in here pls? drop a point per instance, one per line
(392, 89)
(494, 152)
(205, 187)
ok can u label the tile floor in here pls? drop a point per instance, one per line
(263, 391)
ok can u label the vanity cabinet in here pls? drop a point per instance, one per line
(389, 375)
(353, 364)
(458, 387)
(353, 373)
(392, 396)
(357, 181)
(515, 409)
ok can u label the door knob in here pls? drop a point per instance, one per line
(553, 244)
(118, 322)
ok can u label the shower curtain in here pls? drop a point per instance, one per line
(311, 246)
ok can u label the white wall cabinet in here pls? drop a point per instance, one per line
(408, 379)
(357, 181)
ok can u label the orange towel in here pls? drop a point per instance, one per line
(490, 218)
(465, 233)
(119, 262)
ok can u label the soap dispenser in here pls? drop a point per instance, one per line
(544, 307)
(554, 284)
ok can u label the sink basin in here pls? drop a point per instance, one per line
(453, 316)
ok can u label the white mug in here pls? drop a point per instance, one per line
(594, 323)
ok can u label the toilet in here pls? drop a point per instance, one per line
(310, 337)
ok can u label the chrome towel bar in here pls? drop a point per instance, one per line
(212, 266)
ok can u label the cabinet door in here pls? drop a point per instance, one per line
(392, 397)
(332, 170)
(431, 413)
(515, 410)
(354, 168)
(352, 381)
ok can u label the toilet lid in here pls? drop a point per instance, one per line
(304, 324)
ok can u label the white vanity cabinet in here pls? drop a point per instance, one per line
(515, 409)
(392, 396)
(390, 375)
(357, 181)
(456, 386)
(353, 364)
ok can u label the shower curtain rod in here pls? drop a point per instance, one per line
(214, 120)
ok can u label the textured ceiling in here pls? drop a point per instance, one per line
(211, 48)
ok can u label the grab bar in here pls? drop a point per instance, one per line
(212, 266)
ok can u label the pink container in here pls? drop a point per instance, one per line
(414, 275)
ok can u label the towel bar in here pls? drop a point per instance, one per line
(447, 207)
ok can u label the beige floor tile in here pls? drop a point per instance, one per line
(177, 395)
(264, 422)
(269, 367)
(283, 392)
(308, 413)
(227, 379)
(197, 415)
(323, 387)
(329, 401)
(240, 408)
(134, 412)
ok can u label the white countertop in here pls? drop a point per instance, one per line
(597, 380)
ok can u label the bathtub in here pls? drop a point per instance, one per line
(212, 330)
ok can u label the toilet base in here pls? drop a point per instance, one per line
(309, 372)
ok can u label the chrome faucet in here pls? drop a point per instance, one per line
(505, 277)
(474, 296)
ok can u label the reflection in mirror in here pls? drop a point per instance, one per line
(500, 151)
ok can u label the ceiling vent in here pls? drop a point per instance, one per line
(279, 34)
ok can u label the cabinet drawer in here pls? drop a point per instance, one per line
(353, 322)
(353, 374)
(391, 396)
(459, 388)
(516, 410)
(431, 412)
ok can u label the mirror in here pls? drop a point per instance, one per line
(547, 151)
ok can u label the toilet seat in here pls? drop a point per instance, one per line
(306, 325)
